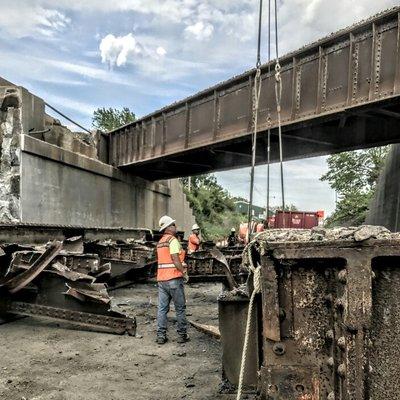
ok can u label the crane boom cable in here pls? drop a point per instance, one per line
(278, 95)
(269, 114)
(257, 274)
(256, 98)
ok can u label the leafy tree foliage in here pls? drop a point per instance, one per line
(213, 206)
(107, 119)
(353, 175)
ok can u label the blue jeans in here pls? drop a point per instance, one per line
(167, 290)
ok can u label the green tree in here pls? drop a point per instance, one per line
(212, 205)
(107, 119)
(353, 175)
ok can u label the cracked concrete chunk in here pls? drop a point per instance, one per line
(371, 232)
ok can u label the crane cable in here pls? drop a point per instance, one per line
(256, 271)
(256, 102)
(278, 96)
(269, 114)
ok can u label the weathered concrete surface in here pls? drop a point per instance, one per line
(54, 176)
(62, 187)
(385, 206)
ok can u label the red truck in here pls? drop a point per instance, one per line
(296, 219)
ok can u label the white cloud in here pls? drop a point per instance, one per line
(200, 30)
(30, 19)
(119, 50)
(161, 51)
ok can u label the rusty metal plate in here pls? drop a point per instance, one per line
(232, 325)
(175, 131)
(234, 112)
(362, 54)
(385, 330)
(148, 139)
(306, 88)
(290, 383)
(268, 98)
(343, 339)
(385, 73)
(158, 140)
(335, 93)
(201, 123)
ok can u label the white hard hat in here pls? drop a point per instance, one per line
(165, 222)
(194, 227)
(233, 230)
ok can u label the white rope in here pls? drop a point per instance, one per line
(257, 289)
(278, 96)
(256, 103)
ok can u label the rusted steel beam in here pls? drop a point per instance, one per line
(15, 284)
(111, 323)
(341, 298)
(354, 67)
(27, 233)
(216, 265)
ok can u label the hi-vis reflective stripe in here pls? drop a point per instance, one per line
(164, 244)
(166, 266)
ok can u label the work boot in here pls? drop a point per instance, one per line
(183, 338)
(161, 340)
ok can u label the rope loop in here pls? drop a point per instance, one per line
(277, 69)
(278, 88)
(257, 289)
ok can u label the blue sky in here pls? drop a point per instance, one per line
(144, 54)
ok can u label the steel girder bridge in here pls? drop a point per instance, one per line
(339, 93)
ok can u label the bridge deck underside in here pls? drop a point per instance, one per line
(340, 93)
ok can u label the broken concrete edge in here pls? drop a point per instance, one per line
(46, 150)
(10, 172)
(267, 240)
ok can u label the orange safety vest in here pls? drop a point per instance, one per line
(193, 243)
(166, 267)
(260, 227)
(243, 231)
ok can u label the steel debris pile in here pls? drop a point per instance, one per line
(217, 265)
(59, 281)
(70, 279)
(129, 260)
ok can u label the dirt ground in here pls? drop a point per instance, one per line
(42, 360)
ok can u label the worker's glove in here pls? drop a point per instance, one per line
(185, 277)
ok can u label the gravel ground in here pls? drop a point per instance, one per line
(42, 360)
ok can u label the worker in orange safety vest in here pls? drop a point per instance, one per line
(194, 240)
(171, 274)
(244, 231)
